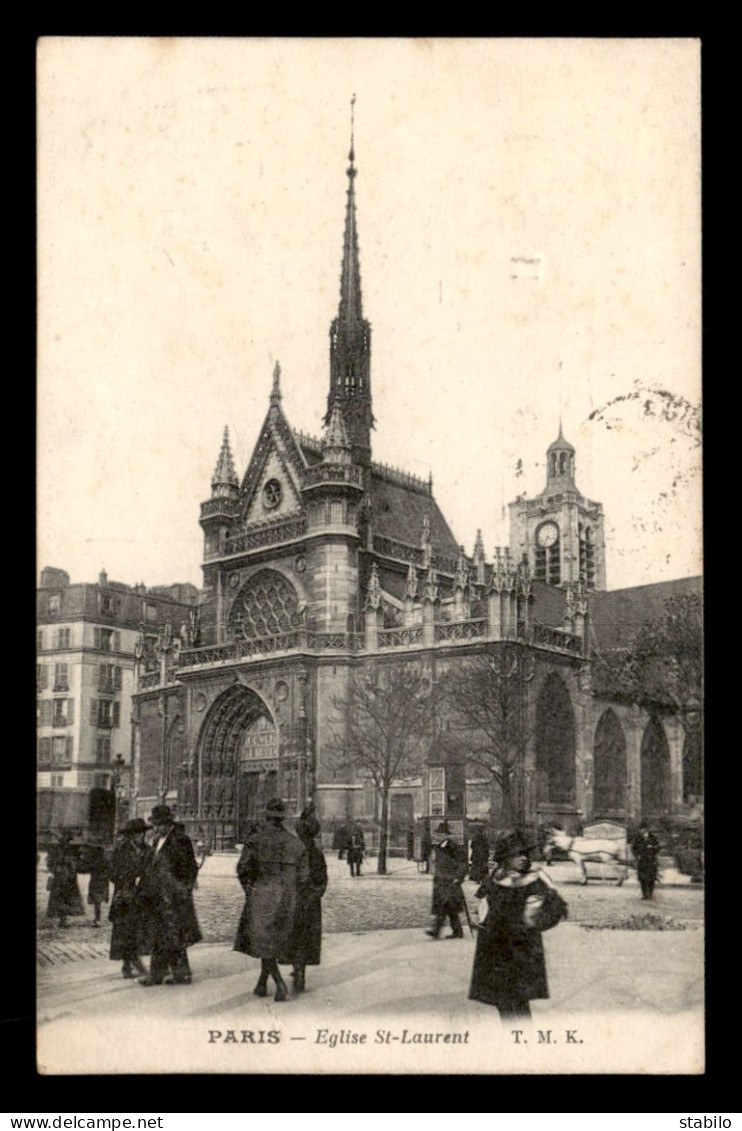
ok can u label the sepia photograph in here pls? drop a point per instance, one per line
(370, 702)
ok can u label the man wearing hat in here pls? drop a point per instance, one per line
(509, 968)
(449, 872)
(127, 937)
(273, 870)
(166, 901)
(646, 849)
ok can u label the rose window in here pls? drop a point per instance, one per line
(266, 606)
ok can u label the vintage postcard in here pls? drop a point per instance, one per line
(369, 614)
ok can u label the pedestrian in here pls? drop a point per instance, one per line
(306, 944)
(448, 898)
(128, 939)
(342, 838)
(98, 886)
(64, 893)
(426, 847)
(509, 968)
(165, 897)
(272, 869)
(480, 856)
(410, 842)
(356, 849)
(646, 849)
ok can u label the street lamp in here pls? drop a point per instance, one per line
(117, 786)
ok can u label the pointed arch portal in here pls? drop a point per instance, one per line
(239, 759)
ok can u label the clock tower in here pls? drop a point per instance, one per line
(560, 532)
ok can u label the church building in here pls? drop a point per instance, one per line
(320, 564)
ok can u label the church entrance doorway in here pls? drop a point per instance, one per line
(239, 766)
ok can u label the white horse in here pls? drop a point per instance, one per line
(583, 849)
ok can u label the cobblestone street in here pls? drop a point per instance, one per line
(367, 903)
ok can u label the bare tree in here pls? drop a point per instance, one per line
(386, 731)
(484, 701)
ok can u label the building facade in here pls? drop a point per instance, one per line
(85, 638)
(322, 566)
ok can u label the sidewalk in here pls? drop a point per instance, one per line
(646, 986)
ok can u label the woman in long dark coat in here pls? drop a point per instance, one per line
(306, 943)
(128, 937)
(272, 870)
(64, 894)
(509, 966)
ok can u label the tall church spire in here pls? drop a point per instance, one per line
(350, 335)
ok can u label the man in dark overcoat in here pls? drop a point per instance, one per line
(272, 870)
(646, 849)
(306, 942)
(356, 849)
(166, 900)
(448, 898)
(128, 940)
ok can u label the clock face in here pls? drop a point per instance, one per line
(548, 534)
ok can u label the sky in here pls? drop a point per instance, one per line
(529, 227)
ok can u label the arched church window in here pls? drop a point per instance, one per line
(655, 770)
(555, 743)
(266, 606)
(609, 762)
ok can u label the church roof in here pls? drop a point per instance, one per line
(398, 510)
(617, 614)
(560, 444)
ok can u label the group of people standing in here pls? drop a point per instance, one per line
(154, 871)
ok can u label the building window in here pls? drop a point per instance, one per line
(101, 781)
(55, 603)
(107, 640)
(40, 640)
(150, 612)
(57, 780)
(64, 712)
(42, 676)
(61, 750)
(44, 751)
(103, 749)
(61, 677)
(62, 638)
(109, 678)
(44, 712)
(104, 713)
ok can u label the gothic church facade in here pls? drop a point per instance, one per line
(321, 563)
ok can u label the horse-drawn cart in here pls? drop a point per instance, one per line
(601, 851)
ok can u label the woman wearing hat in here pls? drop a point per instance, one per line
(272, 870)
(509, 966)
(127, 941)
(64, 894)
